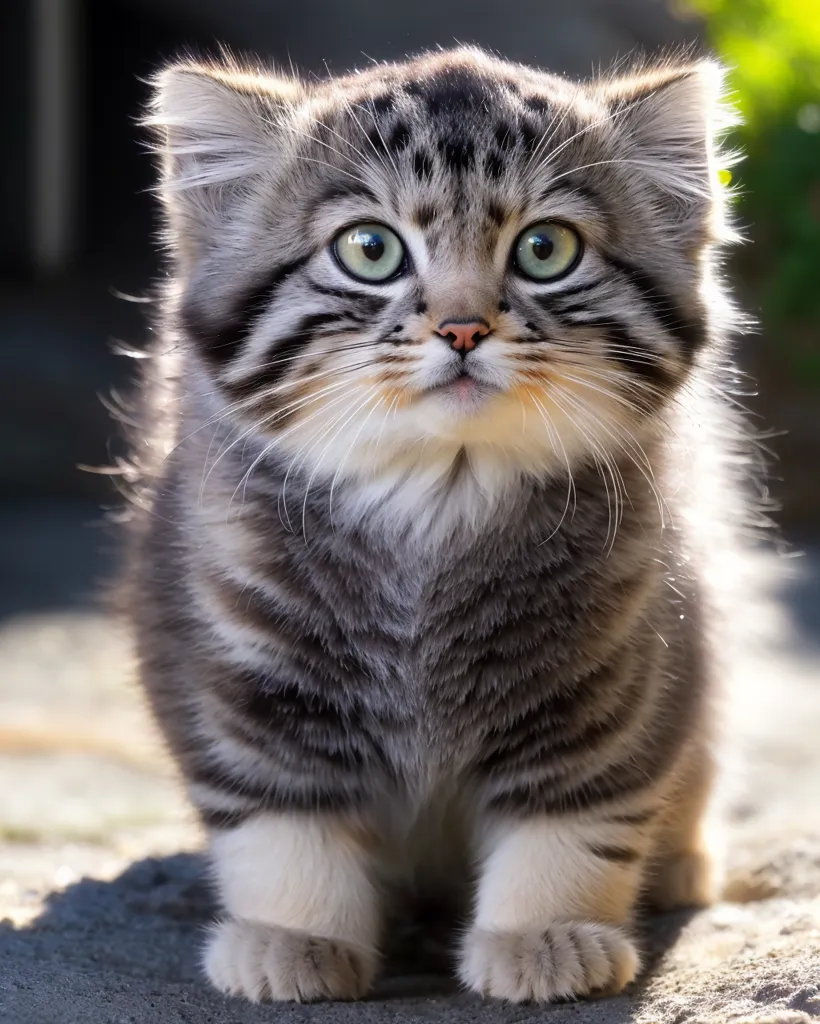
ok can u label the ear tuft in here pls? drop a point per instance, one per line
(217, 128)
(215, 123)
(673, 120)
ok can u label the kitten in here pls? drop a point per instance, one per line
(436, 504)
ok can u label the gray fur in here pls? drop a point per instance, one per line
(320, 634)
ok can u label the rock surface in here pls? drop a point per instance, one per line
(101, 915)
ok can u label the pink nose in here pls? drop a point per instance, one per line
(463, 335)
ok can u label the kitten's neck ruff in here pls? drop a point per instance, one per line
(435, 489)
(425, 491)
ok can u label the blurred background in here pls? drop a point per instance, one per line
(78, 226)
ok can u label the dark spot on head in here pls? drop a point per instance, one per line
(458, 153)
(399, 136)
(398, 328)
(421, 308)
(531, 326)
(422, 165)
(496, 213)
(425, 215)
(537, 103)
(383, 104)
(376, 139)
(528, 135)
(503, 307)
(504, 137)
(454, 88)
(435, 103)
(493, 166)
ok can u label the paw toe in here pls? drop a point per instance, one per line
(564, 961)
(262, 962)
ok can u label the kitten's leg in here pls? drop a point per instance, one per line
(555, 897)
(686, 862)
(302, 907)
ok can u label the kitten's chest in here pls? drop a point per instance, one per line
(432, 631)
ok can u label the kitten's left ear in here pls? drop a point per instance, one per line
(669, 123)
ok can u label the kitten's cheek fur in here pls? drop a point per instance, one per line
(303, 910)
(552, 909)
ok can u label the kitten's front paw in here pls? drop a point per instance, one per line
(565, 961)
(262, 962)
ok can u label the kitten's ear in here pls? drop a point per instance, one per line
(669, 123)
(216, 127)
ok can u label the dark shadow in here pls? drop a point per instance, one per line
(126, 951)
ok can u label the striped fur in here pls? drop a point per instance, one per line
(398, 631)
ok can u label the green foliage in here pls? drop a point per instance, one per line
(772, 48)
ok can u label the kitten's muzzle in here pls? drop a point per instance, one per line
(463, 335)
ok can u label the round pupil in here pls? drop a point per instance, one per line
(542, 246)
(372, 247)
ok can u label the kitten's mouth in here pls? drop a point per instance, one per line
(464, 392)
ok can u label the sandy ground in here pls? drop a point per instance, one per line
(102, 905)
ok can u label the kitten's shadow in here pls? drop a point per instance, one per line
(144, 930)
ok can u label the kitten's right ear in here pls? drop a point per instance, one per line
(216, 127)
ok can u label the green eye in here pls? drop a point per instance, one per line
(547, 250)
(370, 252)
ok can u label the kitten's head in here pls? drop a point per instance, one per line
(451, 257)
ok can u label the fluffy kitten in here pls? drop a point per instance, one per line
(434, 460)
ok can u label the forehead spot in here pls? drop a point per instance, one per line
(504, 137)
(451, 89)
(538, 104)
(383, 104)
(399, 138)
(422, 165)
(458, 154)
(424, 215)
(496, 212)
(529, 135)
(493, 166)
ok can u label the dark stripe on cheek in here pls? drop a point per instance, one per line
(642, 362)
(366, 302)
(691, 335)
(281, 357)
(577, 289)
(221, 342)
(620, 346)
